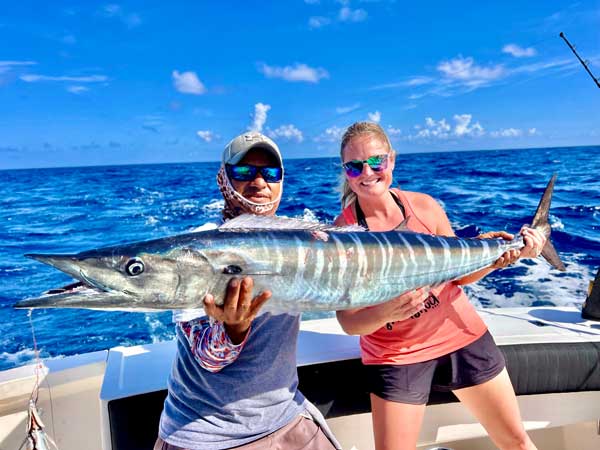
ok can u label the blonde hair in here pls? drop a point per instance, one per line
(355, 130)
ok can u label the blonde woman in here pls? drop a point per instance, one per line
(404, 350)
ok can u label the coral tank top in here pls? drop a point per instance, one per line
(446, 323)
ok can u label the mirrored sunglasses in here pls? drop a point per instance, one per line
(248, 172)
(377, 163)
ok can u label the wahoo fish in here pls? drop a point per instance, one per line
(307, 266)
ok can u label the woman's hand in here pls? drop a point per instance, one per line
(239, 308)
(508, 257)
(534, 242)
(533, 239)
(367, 320)
(404, 306)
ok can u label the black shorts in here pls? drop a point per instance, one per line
(469, 366)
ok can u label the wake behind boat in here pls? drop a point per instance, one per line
(310, 267)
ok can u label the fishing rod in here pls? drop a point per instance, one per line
(584, 63)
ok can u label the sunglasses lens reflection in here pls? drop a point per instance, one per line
(249, 173)
(355, 167)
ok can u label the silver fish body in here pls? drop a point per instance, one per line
(307, 267)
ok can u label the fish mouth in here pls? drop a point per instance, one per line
(69, 264)
(84, 293)
(66, 263)
(92, 283)
(77, 295)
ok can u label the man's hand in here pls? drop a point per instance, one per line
(239, 309)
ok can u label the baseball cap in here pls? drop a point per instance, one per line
(236, 150)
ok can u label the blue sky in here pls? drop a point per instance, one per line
(88, 83)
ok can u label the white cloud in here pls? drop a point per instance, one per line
(259, 117)
(114, 11)
(418, 81)
(206, 135)
(77, 89)
(513, 132)
(5, 66)
(462, 127)
(111, 10)
(347, 109)
(411, 82)
(318, 22)
(507, 132)
(519, 52)
(465, 71)
(16, 63)
(556, 65)
(331, 134)
(152, 122)
(393, 131)
(188, 83)
(352, 15)
(374, 116)
(441, 129)
(297, 72)
(85, 79)
(289, 132)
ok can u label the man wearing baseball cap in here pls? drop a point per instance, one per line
(234, 381)
(239, 163)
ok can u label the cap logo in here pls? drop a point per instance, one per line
(251, 137)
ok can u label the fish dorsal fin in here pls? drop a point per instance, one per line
(250, 222)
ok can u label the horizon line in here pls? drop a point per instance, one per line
(297, 158)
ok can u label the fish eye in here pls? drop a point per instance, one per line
(232, 269)
(135, 266)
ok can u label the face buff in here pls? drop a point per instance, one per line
(236, 203)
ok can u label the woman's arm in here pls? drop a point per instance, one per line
(506, 259)
(534, 242)
(367, 320)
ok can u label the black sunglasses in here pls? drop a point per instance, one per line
(248, 172)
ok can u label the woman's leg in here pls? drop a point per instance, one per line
(495, 405)
(396, 426)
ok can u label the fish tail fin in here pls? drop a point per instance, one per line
(540, 222)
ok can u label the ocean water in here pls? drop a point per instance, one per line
(71, 209)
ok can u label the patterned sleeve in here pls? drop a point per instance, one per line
(210, 344)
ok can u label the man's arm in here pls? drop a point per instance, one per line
(209, 343)
(217, 340)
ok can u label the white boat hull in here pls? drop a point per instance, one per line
(78, 394)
